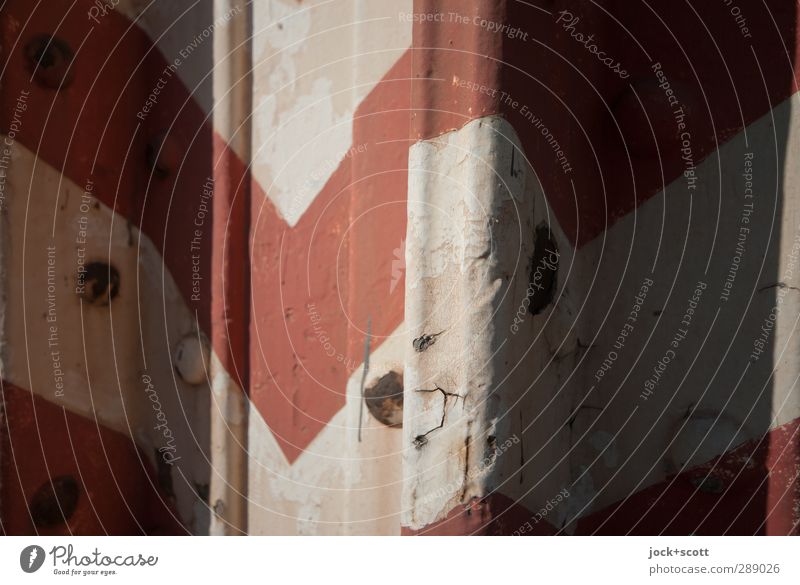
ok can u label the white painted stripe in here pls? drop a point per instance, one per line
(303, 105)
(338, 485)
(99, 349)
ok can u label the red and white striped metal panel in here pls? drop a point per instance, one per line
(244, 243)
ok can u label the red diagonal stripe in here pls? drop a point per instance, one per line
(117, 492)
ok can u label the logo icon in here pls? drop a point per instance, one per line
(31, 558)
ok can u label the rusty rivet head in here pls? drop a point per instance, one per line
(55, 502)
(385, 399)
(100, 283)
(191, 359)
(163, 155)
(50, 61)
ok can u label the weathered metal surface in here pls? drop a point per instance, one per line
(233, 233)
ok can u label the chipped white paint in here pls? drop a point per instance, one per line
(229, 458)
(473, 204)
(303, 105)
(338, 485)
(702, 437)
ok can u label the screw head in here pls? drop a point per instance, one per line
(191, 359)
(100, 283)
(50, 61)
(54, 502)
(385, 399)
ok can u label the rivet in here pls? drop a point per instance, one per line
(100, 283)
(219, 508)
(424, 341)
(191, 359)
(55, 502)
(50, 60)
(385, 399)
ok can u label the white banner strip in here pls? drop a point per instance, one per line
(397, 560)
